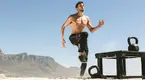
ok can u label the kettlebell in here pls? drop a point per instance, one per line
(133, 47)
(95, 75)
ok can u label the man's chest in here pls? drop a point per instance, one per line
(81, 20)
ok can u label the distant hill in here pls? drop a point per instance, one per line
(24, 65)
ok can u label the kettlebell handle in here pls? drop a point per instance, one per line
(89, 70)
(129, 40)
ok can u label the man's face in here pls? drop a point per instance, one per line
(80, 7)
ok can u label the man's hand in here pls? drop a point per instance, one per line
(101, 23)
(63, 43)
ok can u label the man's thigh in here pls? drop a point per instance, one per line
(74, 39)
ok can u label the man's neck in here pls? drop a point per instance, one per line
(80, 14)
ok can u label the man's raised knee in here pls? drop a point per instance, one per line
(84, 34)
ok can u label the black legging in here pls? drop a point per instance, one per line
(80, 40)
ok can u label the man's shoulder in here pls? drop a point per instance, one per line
(73, 15)
(86, 16)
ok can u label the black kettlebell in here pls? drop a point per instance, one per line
(95, 75)
(133, 47)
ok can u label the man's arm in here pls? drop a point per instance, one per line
(67, 22)
(93, 29)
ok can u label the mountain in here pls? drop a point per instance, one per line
(24, 65)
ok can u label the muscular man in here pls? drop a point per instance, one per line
(78, 36)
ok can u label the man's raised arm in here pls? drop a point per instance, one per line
(93, 29)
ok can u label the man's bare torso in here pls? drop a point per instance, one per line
(78, 23)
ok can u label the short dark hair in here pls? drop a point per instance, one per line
(79, 3)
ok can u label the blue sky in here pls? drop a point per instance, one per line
(33, 26)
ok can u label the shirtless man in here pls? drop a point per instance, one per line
(78, 37)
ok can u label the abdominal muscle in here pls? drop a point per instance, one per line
(76, 29)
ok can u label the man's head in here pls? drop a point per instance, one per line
(80, 6)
